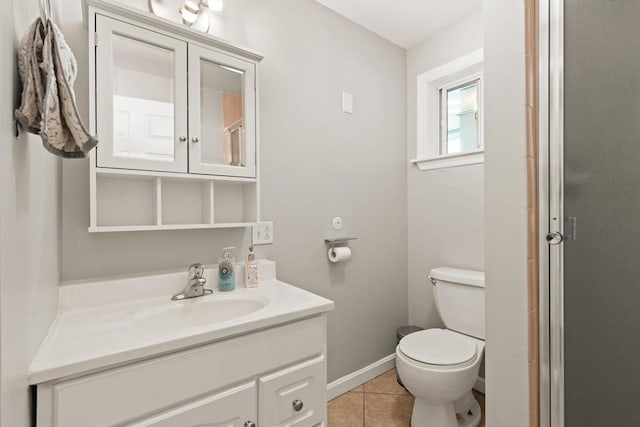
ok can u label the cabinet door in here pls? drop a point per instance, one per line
(222, 114)
(295, 396)
(235, 407)
(141, 98)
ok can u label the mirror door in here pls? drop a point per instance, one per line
(221, 114)
(141, 98)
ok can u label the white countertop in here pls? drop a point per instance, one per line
(95, 329)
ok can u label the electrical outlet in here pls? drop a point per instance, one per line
(262, 233)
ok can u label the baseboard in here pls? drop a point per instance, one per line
(361, 376)
(369, 372)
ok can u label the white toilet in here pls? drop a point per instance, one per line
(440, 366)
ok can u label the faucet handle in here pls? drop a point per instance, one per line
(196, 271)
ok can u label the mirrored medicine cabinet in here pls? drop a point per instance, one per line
(175, 113)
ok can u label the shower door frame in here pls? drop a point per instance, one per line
(551, 209)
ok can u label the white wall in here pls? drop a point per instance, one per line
(445, 206)
(334, 163)
(505, 220)
(317, 162)
(29, 231)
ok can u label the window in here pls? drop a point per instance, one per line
(460, 118)
(450, 130)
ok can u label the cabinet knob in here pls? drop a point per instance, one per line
(195, 139)
(249, 424)
(182, 139)
(297, 405)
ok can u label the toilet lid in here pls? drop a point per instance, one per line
(438, 347)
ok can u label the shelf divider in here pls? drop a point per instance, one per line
(212, 202)
(158, 201)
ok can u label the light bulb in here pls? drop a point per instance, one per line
(189, 12)
(203, 21)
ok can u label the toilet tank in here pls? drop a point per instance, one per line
(459, 297)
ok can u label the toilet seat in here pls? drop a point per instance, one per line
(439, 347)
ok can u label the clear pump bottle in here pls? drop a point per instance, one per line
(226, 275)
(251, 270)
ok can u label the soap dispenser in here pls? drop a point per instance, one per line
(226, 276)
(251, 270)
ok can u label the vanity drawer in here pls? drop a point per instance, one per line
(295, 396)
(119, 395)
(235, 407)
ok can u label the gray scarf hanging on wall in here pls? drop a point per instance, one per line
(47, 70)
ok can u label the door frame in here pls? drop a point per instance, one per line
(551, 214)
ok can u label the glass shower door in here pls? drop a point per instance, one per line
(601, 188)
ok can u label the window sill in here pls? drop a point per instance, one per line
(450, 160)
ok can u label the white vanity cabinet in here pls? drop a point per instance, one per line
(271, 378)
(175, 113)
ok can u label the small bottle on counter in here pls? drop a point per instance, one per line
(251, 270)
(226, 276)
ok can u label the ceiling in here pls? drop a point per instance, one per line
(404, 22)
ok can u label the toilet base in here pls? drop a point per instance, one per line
(464, 413)
(468, 411)
(427, 415)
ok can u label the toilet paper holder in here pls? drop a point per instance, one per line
(338, 241)
(339, 250)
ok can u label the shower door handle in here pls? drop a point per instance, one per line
(554, 238)
(570, 224)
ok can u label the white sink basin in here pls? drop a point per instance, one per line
(200, 311)
(105, 324)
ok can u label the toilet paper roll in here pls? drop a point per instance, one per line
(339, 254)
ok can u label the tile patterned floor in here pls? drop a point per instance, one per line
(381, 402)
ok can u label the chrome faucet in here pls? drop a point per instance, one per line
(195, 285)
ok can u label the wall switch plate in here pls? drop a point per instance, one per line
(262, 233)
(347, 102)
